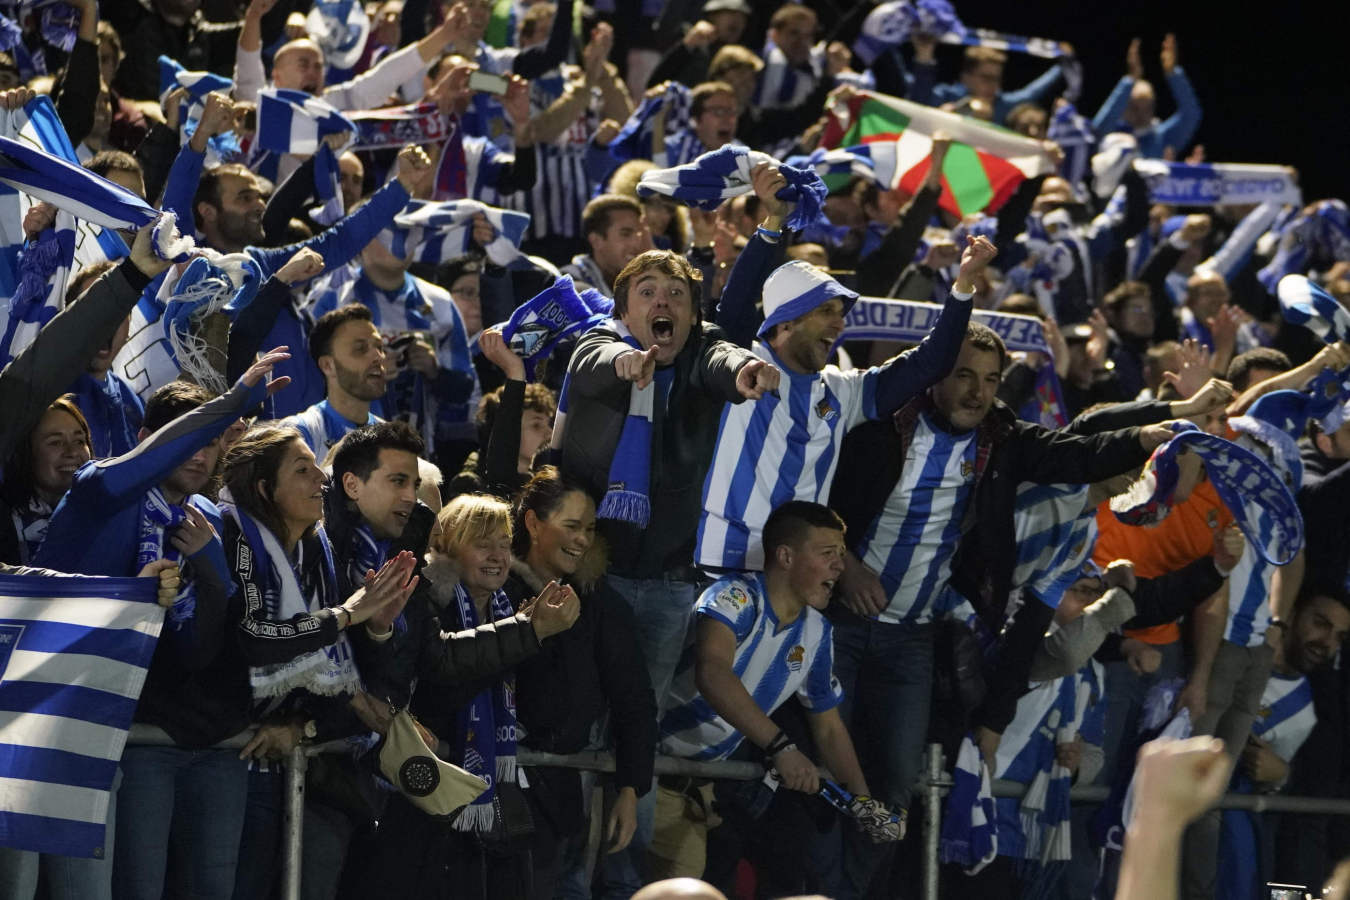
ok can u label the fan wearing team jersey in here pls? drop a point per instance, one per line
(784, 446)
(1311, 642)
(349, 352)
(929, 496)
(761, 639)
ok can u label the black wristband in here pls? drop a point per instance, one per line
(780, 741)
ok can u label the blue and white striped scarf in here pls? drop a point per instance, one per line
(550, 316)
(433, 232)
(969, 824)
(39, 164)
(219, 147)
(295, 122)
(1073, 132)
(485, 728)
(722, 174)
(891, 24)
(634, 140)
(1305, 303)
(1253, 492)
(158, 518)
(1318, 236)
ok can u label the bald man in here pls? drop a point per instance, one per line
(679, 889)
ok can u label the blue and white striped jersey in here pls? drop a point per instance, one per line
(772, 663)
(781, 447)
(1286, 717)
(1056, 531)
(321, 427)
(562, 186)
(416, 306)
(911, 543)
(1249, 592)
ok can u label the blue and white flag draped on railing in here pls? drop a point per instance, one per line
(1253, 492)
(73, 657)
(555, 313)
(719, 175)
(436, 232)
(1305, 303)
(910, 321)
(296, 122)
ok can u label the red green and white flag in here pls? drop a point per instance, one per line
(983, 166)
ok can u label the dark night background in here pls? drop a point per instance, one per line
(1271, 78)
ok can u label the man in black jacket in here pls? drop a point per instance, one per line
(659, 343)
(929, 497)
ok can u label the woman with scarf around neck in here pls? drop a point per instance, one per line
(302, 667)
(37, 476)
(484, 849)
(566, 691)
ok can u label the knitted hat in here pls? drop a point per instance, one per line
(796, 288)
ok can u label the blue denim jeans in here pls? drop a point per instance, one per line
(1124, 699)
(190, 802)
(886, 671)
(662, 608)
(67, 877)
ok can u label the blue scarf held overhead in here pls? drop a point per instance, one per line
(1253, 492)
(1305, 303)
(627, 498)
(634, 140)
(433, 232)
(550, 316)
(719, 175)
(296, 122)
(485, 728)
(158, 518)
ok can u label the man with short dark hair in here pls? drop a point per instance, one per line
(612, 225)
(980, 89)
(761, 640)
(349, 351)
(929, 498)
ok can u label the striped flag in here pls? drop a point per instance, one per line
(73, 658)
(983, 167)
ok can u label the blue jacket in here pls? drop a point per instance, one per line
(1176, 132)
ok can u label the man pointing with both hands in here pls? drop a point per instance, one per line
(643, 400)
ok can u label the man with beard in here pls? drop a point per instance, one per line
(349, 352)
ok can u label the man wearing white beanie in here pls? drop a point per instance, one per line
(784, 446)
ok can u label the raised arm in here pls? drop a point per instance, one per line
(46, 367)
(539, 59)
(154, 458)
(1180, 127)
(904, 376)
(738, 307)
(346, 239)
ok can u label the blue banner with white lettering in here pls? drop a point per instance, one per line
(1219, 184)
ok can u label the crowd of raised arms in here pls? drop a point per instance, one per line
(730, 382)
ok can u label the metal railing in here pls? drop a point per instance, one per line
(936, 783)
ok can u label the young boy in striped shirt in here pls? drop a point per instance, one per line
(760, 640)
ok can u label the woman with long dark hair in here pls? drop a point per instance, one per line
(595, 669)
(38, 475)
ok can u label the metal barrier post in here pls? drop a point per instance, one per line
(932, 820)
(293, 822)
